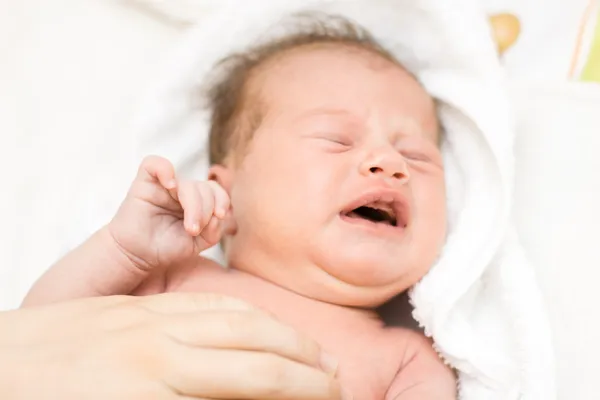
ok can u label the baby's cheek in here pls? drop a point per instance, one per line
(430, 208)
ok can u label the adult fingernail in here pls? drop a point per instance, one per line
(346, 395)
(329, 363)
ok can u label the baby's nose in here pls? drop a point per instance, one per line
(387, 163)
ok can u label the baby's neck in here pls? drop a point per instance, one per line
(208, 276)
(296, 300)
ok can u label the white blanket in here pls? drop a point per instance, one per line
(480, 302)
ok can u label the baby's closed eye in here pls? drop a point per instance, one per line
(415, 155)
(337, 138)
(420, 151)
(335, 141)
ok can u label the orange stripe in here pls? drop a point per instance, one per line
(586, 16)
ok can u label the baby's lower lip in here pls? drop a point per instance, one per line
(378, 228)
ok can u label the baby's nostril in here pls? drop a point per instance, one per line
(375, 170)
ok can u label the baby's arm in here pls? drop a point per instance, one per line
(160, 223)
(95, 268)
(422, 375)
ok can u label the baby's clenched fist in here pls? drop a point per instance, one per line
(163, 220)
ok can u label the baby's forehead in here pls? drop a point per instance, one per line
(343, 84)
(319, 57)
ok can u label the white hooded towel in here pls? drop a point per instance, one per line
(480, 302)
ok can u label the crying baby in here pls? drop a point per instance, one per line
(326, 191)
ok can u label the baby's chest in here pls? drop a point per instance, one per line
(369, 355)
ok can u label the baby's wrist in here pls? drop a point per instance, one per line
(121, 256)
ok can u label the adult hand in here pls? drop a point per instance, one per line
(166, 346)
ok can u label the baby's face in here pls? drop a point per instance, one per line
(341, 195)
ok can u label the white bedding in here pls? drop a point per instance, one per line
(70, 74)
(71, 70)
(558, 213)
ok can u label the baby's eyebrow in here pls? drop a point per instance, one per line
(326, 111)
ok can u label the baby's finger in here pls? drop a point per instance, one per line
(159, 169)
(222, 200)
(210, 235)
(192, 203)
(208, 203)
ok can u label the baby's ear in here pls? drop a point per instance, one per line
(222, 175)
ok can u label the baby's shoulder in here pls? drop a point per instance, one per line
(406, 337)
(410, 343)
(193, 274)
(419, 359)
(372, 356)
(205, 275)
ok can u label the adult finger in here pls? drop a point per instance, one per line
(57, 320)
(52, 315)
(245, 330)
(193, 398)
(153, 309)
(230, 374)
(175, 303)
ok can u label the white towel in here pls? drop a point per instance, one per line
(480, 302)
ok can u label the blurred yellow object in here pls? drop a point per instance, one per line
(506, 28)
(591, 70)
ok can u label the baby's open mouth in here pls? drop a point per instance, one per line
(383, 208)
(376, 212)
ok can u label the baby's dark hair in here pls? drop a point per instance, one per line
(235, 112)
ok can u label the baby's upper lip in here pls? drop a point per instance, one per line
(393, 198)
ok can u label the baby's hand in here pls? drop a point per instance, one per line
(163, 221)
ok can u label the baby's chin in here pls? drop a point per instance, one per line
(353, 277)
(350, 296)
(370, 280)
(361, 280)
(317, 284)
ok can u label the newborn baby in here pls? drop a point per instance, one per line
(326, 191)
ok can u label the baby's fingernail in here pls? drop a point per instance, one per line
(195, 228)
(328, 363)
(171, 184)
(220, 213)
